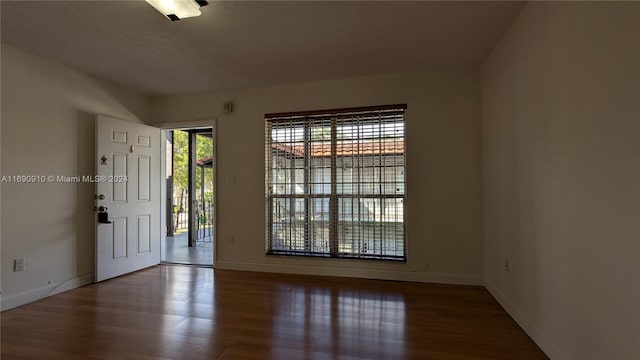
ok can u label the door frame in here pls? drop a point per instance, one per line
(187, 125)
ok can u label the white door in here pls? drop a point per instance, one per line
(128, 185)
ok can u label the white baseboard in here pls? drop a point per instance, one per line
(363, 273)
(10, 302)
(543, 341)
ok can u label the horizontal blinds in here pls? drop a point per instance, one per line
(335, 183)
(398, 108)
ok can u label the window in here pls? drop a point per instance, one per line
(335, 183)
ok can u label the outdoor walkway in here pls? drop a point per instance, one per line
(176, 250)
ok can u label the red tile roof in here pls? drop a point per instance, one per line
(345, 148)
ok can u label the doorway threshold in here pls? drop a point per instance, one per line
(164, 263)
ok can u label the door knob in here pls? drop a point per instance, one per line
(103, 215)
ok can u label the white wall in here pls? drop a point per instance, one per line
(47, 129)
(443, 170)
(561, 135)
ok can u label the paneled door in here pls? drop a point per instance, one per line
(127, 197)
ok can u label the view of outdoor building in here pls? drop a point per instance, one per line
(337, 186)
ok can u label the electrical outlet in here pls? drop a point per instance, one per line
(227, 107)
(19, 264)
(506, 265)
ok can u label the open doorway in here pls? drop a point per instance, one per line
(189, 202)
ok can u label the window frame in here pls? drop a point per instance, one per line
(330, 118)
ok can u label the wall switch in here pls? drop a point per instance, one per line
(506, 265)
(19, 265)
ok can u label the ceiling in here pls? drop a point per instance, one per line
(246, 44)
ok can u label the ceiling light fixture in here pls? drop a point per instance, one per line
(178, 9)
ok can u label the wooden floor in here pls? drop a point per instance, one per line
(176, 312)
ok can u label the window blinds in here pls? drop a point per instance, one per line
(335, 183)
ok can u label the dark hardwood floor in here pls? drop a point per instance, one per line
(175, 312)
